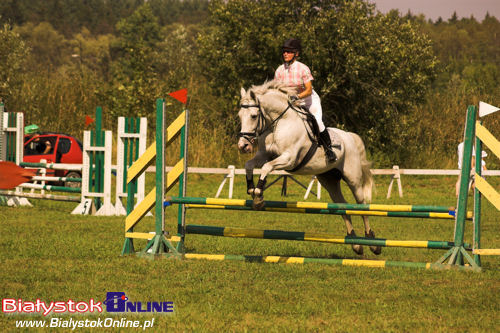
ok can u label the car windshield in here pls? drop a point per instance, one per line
(40, 145)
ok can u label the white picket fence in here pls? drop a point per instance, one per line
(395, 173)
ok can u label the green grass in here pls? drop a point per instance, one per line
(49, 254)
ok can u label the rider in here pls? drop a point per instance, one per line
(297, 75)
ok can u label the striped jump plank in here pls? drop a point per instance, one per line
(487, 252)
(311, 237)
(52, 188)
(55, 197)
(305, 205)
(432, 215)
(327, 261)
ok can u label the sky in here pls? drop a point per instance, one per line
(432, 9)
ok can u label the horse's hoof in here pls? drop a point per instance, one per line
(251, 191)
(258, 203)
(358, 249)
(375, 249)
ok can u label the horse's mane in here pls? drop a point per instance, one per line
(273, 85)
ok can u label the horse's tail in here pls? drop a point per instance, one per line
(367, 179)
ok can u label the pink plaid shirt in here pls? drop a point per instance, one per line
(294, 75)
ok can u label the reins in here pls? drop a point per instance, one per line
(251, 136)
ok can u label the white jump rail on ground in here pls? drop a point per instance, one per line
(230, 172)
(18, 197)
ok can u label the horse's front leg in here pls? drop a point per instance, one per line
(284, 161)
(258, 161)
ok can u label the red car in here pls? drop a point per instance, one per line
(54, 148)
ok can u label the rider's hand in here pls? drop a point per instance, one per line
(294, 98)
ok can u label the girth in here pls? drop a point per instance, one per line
(307, 158)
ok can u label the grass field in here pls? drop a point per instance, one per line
(47, 253)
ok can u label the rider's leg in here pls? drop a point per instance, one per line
(317, 112)
(327, 145)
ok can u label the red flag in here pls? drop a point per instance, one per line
(180, 95)
(12, 175)
(88, 120)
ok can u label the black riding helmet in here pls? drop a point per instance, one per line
(291, 44)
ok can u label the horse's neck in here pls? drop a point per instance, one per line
(290, 124)
(278, 106)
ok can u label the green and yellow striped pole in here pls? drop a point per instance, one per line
(405, 214)
(324, 261)
(311, 237)
(310, 205)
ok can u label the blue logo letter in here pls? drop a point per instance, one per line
(115, 301)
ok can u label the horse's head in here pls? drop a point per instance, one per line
(258, 107)
(251, 119)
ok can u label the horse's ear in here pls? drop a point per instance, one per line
(243, 92)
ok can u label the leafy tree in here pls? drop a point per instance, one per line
(12, 59)
(370, 69)
(180, 11)
(98, 16)
(93, 52)
(135, 80)
(50, 49)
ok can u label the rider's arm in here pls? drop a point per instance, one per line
(307, 91)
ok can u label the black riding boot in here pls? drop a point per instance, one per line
(327, 145)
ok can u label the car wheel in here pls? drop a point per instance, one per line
(72, 184)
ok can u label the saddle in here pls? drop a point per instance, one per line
(314, 137)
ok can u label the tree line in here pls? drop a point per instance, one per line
(401, 81)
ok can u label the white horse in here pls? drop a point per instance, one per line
(285, 142)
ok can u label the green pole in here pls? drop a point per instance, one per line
(458, 255)
(464, 177)
(91, 163)
(99, 160)
(11, 138)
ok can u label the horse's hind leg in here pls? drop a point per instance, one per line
(331, 182)
(358, 193)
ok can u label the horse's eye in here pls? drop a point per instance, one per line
(254, 116)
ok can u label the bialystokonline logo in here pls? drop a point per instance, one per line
(115, 302)
(18, 306)
(119, 302)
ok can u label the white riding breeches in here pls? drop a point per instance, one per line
(313, 104)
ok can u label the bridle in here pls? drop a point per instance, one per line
(252, 136)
